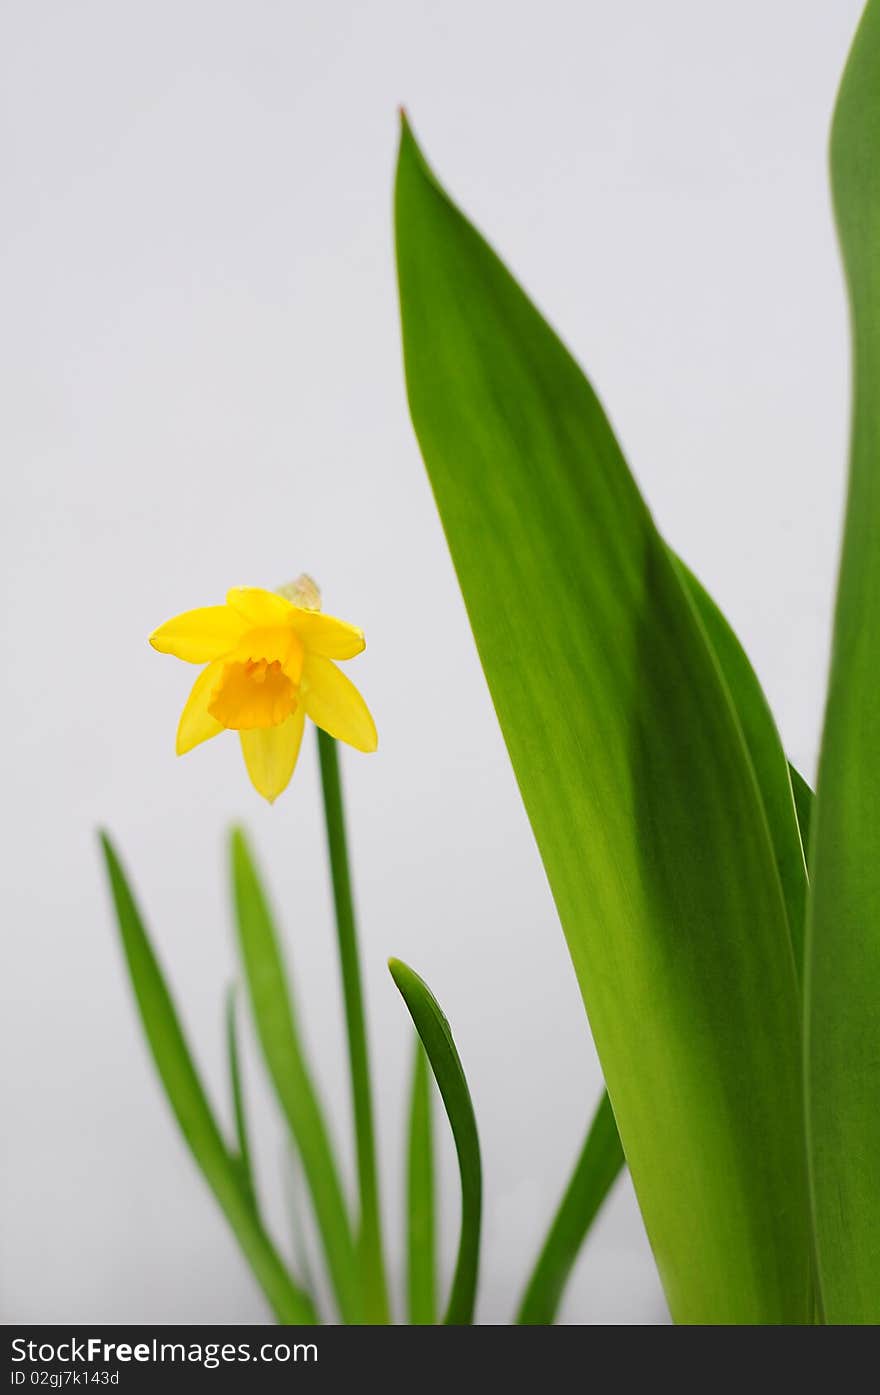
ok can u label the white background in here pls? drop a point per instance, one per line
(201, 386)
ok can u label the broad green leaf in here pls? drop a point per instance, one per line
(436, 1037)
(633, 769)
(187, 1098)
(595, 1173)
(421, 1240)
(843, 934)
(285, 1059)
(767, 754)
(803, 800)
(235, 1087)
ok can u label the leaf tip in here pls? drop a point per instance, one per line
(106, 845)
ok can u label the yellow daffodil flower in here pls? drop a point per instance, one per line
(269, 659)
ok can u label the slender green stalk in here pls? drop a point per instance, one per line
(370, 1237)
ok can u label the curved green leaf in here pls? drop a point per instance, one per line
(633, 769)
(187, 1098)
(595, 1173)
(421, 1240)
(436, 1038)
(843, 935)
(767, 754)
(288, 1069)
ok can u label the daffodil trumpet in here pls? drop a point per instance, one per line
(270, 660)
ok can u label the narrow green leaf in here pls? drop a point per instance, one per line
(767, 754)
(421, 1237)
(843, 928)
(285, 1058)
(436, 1037)
(187, 1098)
(633, 769)
(241, 1131)
(595, 1173)
(294, 1182)
(803, 801)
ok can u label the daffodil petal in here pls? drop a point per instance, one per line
(334, 703)
(270, 754)
(197, 636)
(325, 635)
(260, 608)
(196, 723)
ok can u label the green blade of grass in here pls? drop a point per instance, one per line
(436, 1037)
(843, 928)
(288, 1069)
(598, 1167)
(633, 768)
(767, 755)
(421, 1240)
(235, 1087)
(187, 1098)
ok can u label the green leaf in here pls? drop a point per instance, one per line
(595, 1173)
(803, 801)
(187, 1098)
(241, 1131)
(767, 755)
(285, 1058)
(843, 934)
(436, 1038)
(294, 1183)
(633, 769)
(421, 1225)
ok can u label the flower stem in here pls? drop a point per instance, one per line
(370, 1235)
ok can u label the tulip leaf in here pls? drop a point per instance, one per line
(420, 1219)
(288, 1069)
(767, 755)
(843, 928)
(597, 1169)
(436, 1037)
(187, 1098)
(633, 769)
